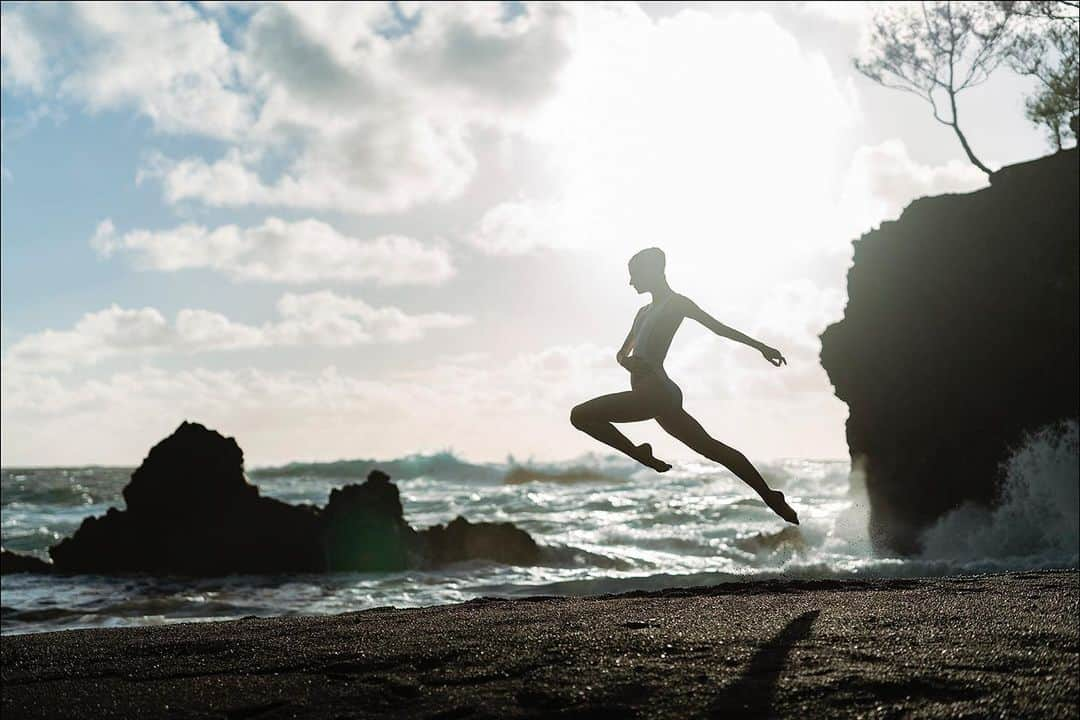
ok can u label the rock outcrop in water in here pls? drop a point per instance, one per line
(959, 337)
(461, 540)
(13, 562)
(364, 528)
(191, 511)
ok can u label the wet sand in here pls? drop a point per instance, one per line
(989, 645)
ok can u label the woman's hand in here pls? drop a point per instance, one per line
(773, 355)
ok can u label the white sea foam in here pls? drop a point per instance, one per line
(1038, 520)
(624, 529)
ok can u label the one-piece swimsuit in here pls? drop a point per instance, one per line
(642, 380)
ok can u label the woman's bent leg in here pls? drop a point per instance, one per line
(595, 417)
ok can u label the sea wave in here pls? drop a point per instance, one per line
(520, 475)
(1038, 518)
(604, 525)
(443, 465)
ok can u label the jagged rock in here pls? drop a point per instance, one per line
(959, 336)
(461, 540)
(364, 528)
(191, 511)
(106, 544)
(13, 562)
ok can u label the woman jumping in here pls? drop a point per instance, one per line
(654, 395)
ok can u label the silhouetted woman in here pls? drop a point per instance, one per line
(654, 395)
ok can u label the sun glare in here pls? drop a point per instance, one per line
(656, 140)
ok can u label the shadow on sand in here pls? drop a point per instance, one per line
(751, 696)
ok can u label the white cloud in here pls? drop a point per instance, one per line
(163, 59)
(205, 330)
(841, 11)
(320, 318)
(856, 17)
(94, 337)
(385, 126)
(104, 238)
(377, 166)
(660, 135)
(520, 406)
(477, 59)
(329, 413)
(883, 179)
(325, 318)
(21, 56)
(304, 251)
(509, 228)
(369, 115)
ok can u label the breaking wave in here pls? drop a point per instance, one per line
(1037, 522)
(604, 524)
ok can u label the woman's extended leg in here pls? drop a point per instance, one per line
(596, 416)
(680, 425)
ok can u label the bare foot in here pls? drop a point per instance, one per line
(776, 502)
(645, 457)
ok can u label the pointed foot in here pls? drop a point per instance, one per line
(645, 457)
(779, 505)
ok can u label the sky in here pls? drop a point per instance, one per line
(370, 230)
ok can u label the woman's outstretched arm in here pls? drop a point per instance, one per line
(770, 353)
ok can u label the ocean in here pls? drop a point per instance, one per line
(607, 526)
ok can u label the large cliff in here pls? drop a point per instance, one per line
(959, 336)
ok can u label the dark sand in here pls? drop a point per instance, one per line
(995, 645)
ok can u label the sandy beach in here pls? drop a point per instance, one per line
(989, 645)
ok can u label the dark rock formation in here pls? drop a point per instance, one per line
(11, 562)
(191, 511)
(364, 528)
(960, 335)
(462, 540)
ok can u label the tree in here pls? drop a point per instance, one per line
(1046, 47)
(936, 50)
